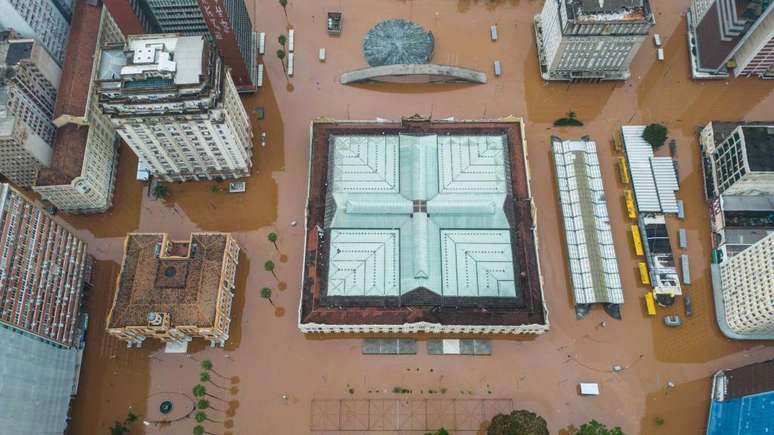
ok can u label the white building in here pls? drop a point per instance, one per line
(28, 82)
(590, 39)
(172, 100)
(39, 19)
(82, 173)
(747, 281)
(740, 158)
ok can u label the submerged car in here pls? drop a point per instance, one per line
(688, 306)
(672, 321)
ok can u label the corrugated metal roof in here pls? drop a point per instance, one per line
(654, 178)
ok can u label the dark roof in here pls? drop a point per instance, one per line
(184, 284)
(714, 44)
(759, 144)
(76, 72)
(67, 159)
(420, 305)
(18, 51)
(748, 380)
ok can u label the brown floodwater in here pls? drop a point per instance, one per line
(273, 373)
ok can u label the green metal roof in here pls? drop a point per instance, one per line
(420, 211)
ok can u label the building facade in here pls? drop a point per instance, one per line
(226, 22)
(81, 177)
(43, 270)
(590, 39)
(42, 20)
(747, 281)
(174, 291)
(172, 100)
(29, 78)
(731, 37)
(739, 158)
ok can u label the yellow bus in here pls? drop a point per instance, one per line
(644, 276)
(623, 170)
(637, 241)
(631, 210)
(650, 303)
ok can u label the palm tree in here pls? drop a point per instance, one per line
(269, 267)
(205, 377)
(281, 56)
(207, 366)
(284, 4)
(266, 294)
(130, 418)
(282, 39)
(199, 391)
(118, 428)
(198, 430)
(201, 417)
(273, 238)
(160, 191)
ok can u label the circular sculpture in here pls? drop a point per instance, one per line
(165, 407)
(397, 42)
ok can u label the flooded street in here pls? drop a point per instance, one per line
(275, 372)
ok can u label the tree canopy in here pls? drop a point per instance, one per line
(521, 422)
(655, 135)
(596, 428)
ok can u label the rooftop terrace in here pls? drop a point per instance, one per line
(607, 10)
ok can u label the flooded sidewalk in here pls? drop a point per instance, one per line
(273, 374)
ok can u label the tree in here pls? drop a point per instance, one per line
(655, 135)
(131, 418)
(207, 366)
(203, 404)
(596, 428)
(273, 239)
(282, 39)
(160, 191)
(521, 422)
(266, 294)
(440, 431)
(284, 4)
(269, 267)
(281, 56)
(198, 430)
(205, 377)
(200, 416)
(118, 428)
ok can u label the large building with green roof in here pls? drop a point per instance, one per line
(420, 226)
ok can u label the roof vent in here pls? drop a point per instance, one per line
(155, 318)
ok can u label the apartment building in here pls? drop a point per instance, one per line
(43, 270)
(731, 37)
(172, 100)
(44, 20)
(739, 158)
(29, 77)
(747, 281)
(590, 40)
(225, 22)
(174, 291)
(81, 177)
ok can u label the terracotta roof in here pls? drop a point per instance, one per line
(76, 72)
(67, 159)
(185, 287)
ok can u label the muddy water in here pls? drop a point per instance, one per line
(274, 372)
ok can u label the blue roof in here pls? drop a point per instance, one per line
(749, 415)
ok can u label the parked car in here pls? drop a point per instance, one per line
(688, 305)
(672, 321)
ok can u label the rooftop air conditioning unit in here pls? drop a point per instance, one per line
(155, 319)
